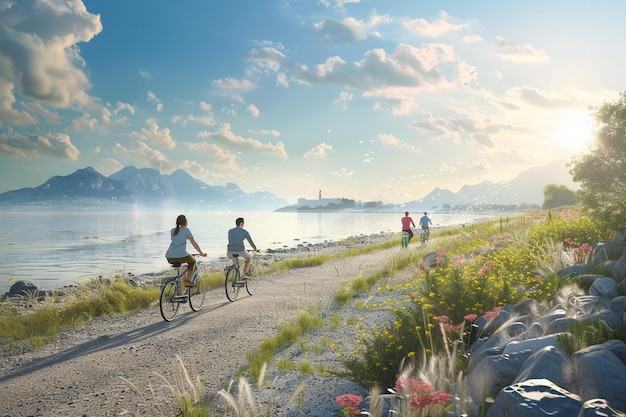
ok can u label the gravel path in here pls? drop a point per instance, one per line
(82, 373)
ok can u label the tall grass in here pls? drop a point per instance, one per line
(92, 298)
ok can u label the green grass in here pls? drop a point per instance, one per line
(93, 298)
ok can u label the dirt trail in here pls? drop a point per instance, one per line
(81, 374)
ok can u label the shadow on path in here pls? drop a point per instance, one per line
(104, 343)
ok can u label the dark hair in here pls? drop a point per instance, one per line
(180, 221)
(406, 213)
(239, 220)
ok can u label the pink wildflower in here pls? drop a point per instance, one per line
(407, 384)
(443, 319)
(449, 328)
(349, 403)
(471, 317)
(493, 313)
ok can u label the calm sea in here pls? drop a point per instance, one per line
(57, 247)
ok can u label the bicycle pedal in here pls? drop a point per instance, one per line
(180, 298)
(239, 284)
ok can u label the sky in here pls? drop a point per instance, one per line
(366, 100)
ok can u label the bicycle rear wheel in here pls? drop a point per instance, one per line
(197, 293)
(231, 284)
(252, 282)
(167, 302)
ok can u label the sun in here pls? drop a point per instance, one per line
(576, 132)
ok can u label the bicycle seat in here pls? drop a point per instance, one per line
(176, 264)
(234, 255)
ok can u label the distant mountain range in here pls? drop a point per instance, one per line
(143, 186)
(526, 189)
(148, 186)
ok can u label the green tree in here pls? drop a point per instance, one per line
(602, 172)
(557, 196)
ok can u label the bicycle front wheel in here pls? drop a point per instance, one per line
(167, 302)
(231, 284)
(197, 293)
(252, 282)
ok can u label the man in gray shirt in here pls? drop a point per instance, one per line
(236, 236)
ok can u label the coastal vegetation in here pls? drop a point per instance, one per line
(432, 298)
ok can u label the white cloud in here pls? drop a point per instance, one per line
(18, 145)
(267, 58)
(158, 101)
(196, 170)
(472, 38)
(521, 54)
(154, 134)
(343, 99)
(253, 110)
(434, 29)
(214, 154)
(390, 140)
(143, 155)
(10, 114)
(225, 135)
(318, 152)
(40, 53)
(459, 130)
(234, 85)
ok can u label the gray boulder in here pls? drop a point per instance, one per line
(618, 273)
(23, 288)
(534, 345)
(600, 374)
(588, 304)
(493, 374)
(535, 398)
(547, 363)
(599, 408)
(604, 287)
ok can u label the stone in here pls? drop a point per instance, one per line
(537, 344)
(493, 374)
(574, 270)
(547, 363)
(555, 314)
(561, 325)
(588, 304)
(535, 330)
(23, 288)
(605, 321)
(618, 305)
(535, 398)
(600, 374)
(617, 347)
(599, 408)
(604, 287)
(618, 273)
(530, 307)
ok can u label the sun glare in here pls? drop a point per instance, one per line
(576, 132)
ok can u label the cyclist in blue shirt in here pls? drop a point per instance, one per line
(236, 236)
(424, 222)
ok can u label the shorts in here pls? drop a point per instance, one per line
(189, 259)
(242, 253)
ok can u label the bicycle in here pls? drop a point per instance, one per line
(173, 295)
(425, 236)
(233, 281)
